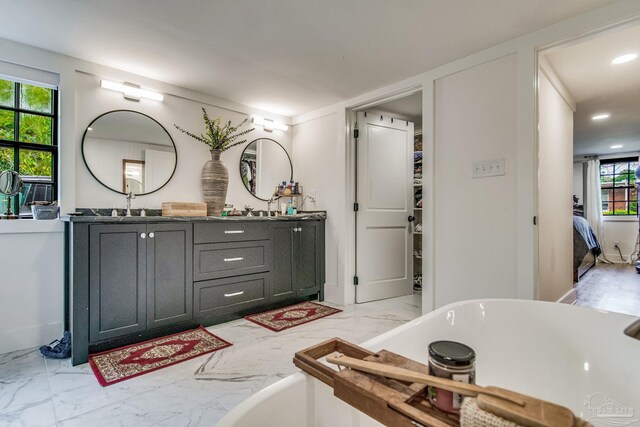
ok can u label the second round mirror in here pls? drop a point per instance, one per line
(264, 164)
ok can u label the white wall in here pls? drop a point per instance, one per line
(31, 288)
(624, 231)
(318, 157)
(555, 188)
(475, 219)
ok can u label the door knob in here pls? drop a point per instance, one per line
(411, 218)
(143, 235)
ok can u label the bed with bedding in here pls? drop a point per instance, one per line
(586, 247)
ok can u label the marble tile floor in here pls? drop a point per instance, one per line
(611, 287)
(45, 392)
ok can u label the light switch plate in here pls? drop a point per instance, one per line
(486, 168)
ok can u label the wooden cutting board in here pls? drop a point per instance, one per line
(184, 209)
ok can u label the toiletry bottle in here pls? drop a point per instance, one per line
(114, 212)
(296, 189)
(287, 190)
(290, 208)
(143, 212)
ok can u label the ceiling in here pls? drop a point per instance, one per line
(598, 86)
(283, 56)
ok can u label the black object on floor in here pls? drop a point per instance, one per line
(58, 349)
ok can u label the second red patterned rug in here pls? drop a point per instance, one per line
(287, 317)
(122, 363)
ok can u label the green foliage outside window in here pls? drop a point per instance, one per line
(35, 163)
(7, 96)
(35, 98)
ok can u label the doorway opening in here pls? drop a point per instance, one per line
(588, 149)
(387, 174)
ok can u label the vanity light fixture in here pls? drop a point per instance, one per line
(268, 124)
(617, 146)
(624, 58)
(601, 116)
(130, 91)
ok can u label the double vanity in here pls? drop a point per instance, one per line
(135, 278)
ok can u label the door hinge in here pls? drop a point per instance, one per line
(535, 220)
(355, 280)
(356, 133)
(356, 207)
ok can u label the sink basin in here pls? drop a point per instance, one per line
(574, 356)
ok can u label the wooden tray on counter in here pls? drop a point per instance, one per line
(390, 402)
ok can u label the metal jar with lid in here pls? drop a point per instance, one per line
(454, 361)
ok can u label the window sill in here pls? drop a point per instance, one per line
(620, 218)
(22, 226)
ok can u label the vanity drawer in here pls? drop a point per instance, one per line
(218, 260)
(232, 231)
(224, 296)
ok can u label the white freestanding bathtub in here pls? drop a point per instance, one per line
(574, 356)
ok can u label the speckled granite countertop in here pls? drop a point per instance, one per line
(101, 216)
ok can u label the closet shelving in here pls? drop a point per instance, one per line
(417, 212)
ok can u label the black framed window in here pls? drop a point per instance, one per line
(618, 186)
(29, 141)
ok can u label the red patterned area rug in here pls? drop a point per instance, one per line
(122, 363)
(293, 315)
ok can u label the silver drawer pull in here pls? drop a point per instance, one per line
(233, 231)
(240, 258)
(233, 294)
(151, 235)
(143, 235)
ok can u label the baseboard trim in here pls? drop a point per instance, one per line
(569, 298)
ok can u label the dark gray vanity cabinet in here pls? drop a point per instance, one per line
(298, 259)
(169, 274)
(231, 268)
(117, 280)
(140, 277)
(133, 279)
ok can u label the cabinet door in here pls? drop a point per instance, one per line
(282, 276)
(117, 280)
(307, 258)
(169, 273)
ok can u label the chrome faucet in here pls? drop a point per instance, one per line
(271, 200)
(130, 195)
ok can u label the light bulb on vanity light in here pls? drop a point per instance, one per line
(616, 146)
(269, 124)
(131, 92)
(601, 116)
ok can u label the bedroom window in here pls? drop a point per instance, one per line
(617, 184)
(28, 141)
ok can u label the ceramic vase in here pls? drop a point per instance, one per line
(215, 181)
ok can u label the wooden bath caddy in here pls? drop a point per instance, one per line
(391, 402)
(393, 390)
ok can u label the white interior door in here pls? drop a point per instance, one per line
(385, 199)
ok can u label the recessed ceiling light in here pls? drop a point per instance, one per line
(617, 146)
(601, 116)
(624, 58)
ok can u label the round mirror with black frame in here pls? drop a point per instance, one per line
(129, 152)
(264, 164)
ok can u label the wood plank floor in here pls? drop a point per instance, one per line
(611, 287)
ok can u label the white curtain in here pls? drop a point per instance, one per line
(593, 208)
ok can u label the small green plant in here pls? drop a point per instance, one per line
(217, 136)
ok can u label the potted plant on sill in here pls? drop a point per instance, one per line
(215, 176)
